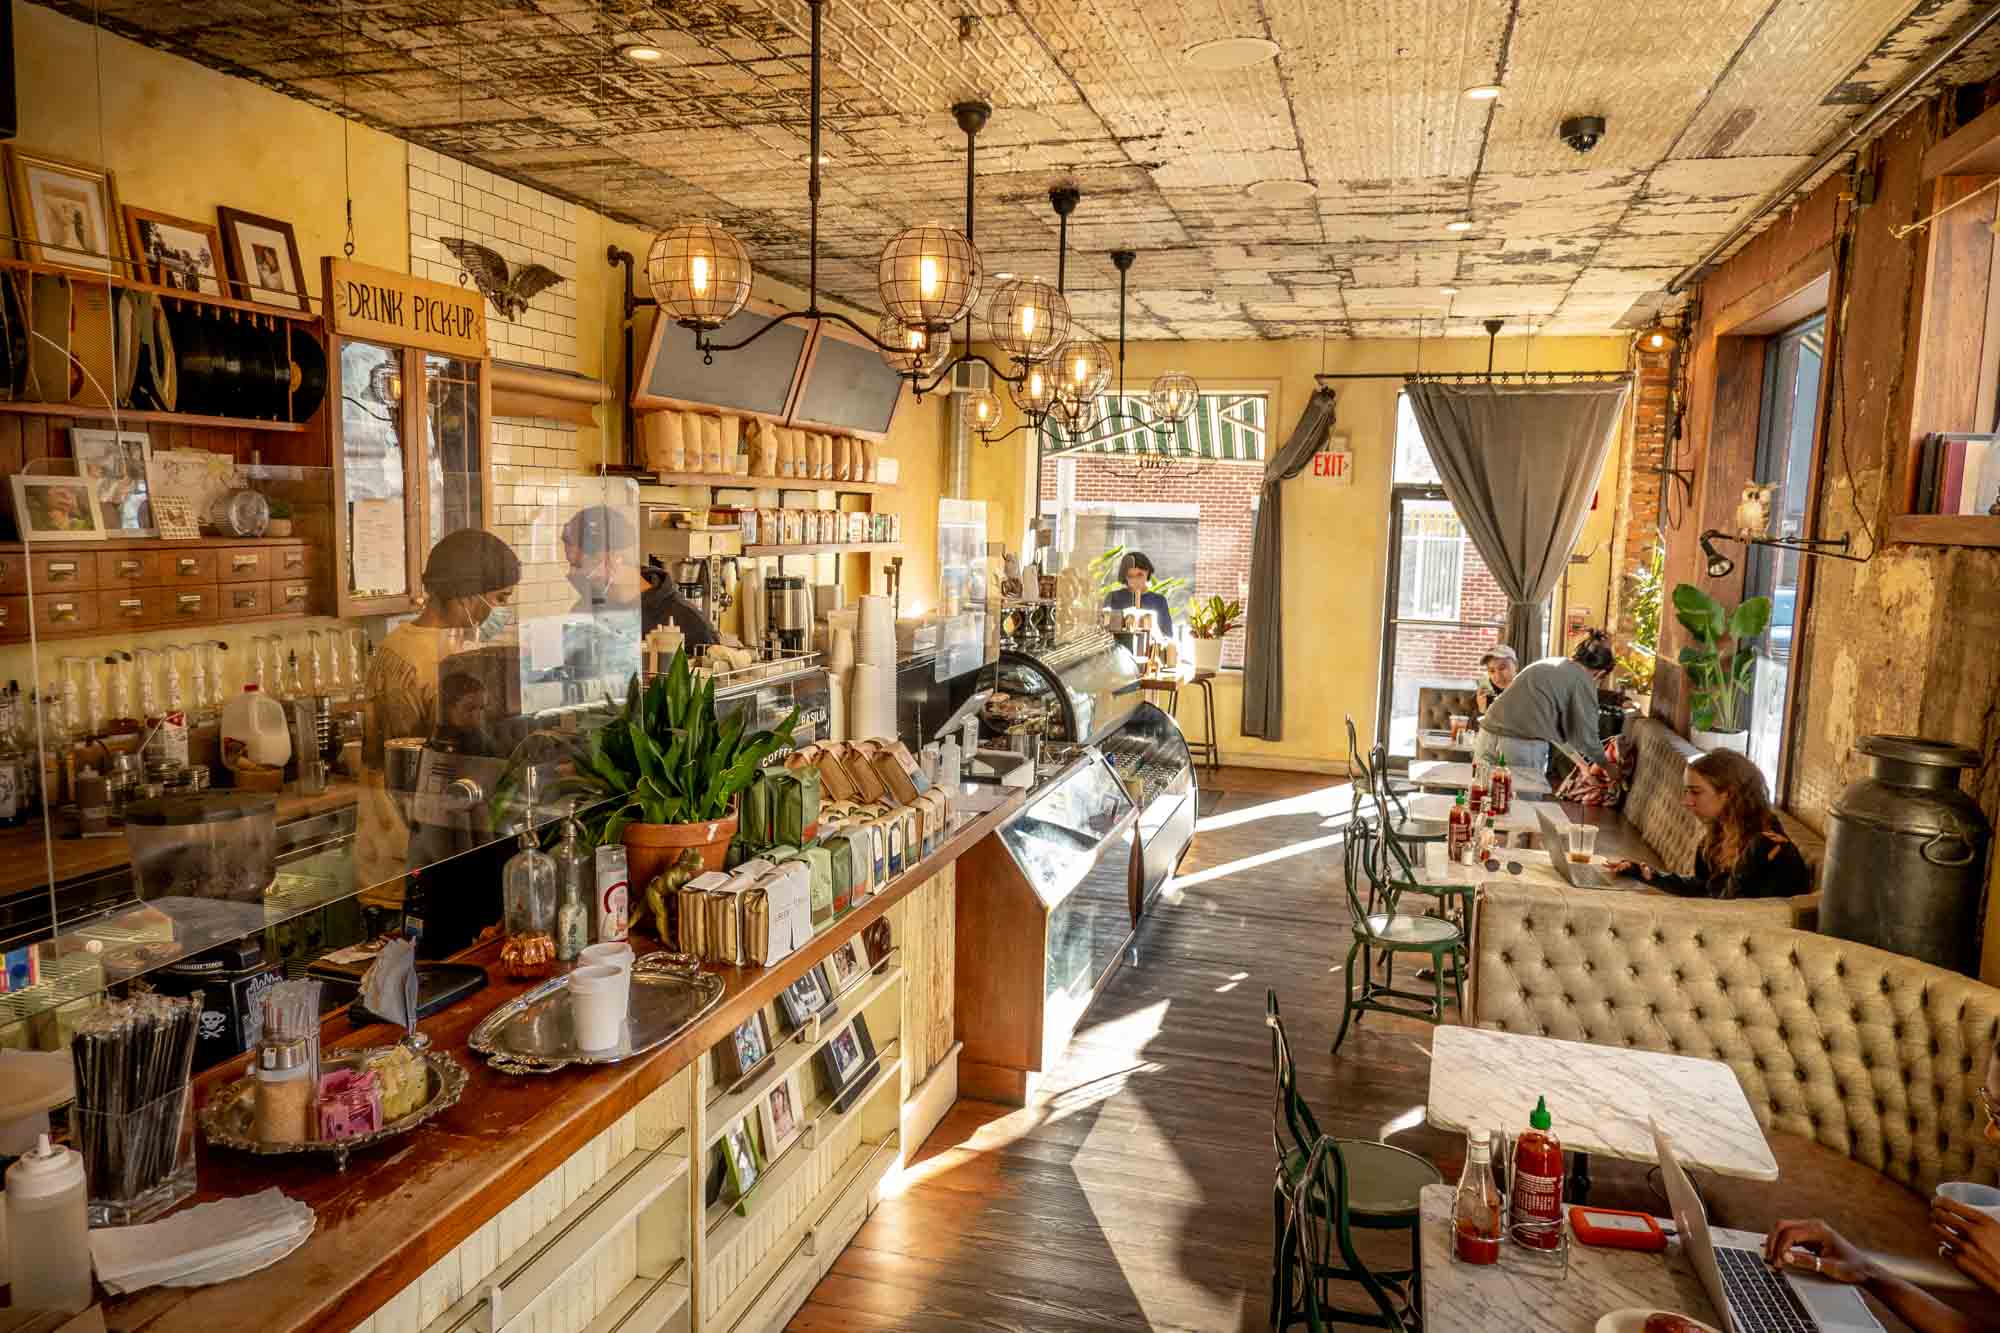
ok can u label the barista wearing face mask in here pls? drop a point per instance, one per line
(469, 576)
(601, 549)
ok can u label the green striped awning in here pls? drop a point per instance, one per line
(1224, 427)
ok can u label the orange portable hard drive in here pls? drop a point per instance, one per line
(1616, 1230)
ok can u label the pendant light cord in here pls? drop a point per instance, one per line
(812, 177)
(346, 150)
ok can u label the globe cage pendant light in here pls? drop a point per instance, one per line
(699, 274)
(1035, 393)
(929, 277)
(1173, 397)
(1083, 367)
(982, 409)
(912, 351)
(1028, 319)
(1076, 415)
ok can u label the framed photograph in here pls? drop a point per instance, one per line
(114, 462)
(55, 509)
(845, 1062)
(807, 996)
(262, 256)
(174, 252)
(782, 1115)
(747, 1047)
(845, 966)
(742, 1161)
(64, 212)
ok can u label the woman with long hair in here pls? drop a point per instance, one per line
(1746, 853)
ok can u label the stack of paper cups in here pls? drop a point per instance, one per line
(871, 704)
(840, 640)
(838, 684)
(878, 633)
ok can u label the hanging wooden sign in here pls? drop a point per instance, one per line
(385, 306)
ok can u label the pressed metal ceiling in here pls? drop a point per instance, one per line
(1710, 106)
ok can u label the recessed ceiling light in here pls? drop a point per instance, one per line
(641, 54)
(1231, 53)
(1282, 191)
(1482, 92)
(1459, 224)
(1448, 291)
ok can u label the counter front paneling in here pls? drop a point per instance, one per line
(584, 1189)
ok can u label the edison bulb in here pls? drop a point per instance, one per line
(698, 274)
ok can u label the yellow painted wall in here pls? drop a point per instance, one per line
(1336, 538)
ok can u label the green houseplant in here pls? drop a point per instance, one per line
(1721, 663)
(280, 524)
(665, 773)
(1210, 620)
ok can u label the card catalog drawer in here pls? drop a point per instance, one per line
(291, 597)
(290, 562)
(130, 608)
(242, 564)
(59, 612)
(14, 572)
(193, 566)
(242, 600)
(127, 569)
(64, 572)
(189, 606)
(13, 618)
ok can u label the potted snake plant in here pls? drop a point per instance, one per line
(664, 774)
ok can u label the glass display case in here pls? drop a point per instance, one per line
(1150, 756)
(1089, 685)
(1045, 908)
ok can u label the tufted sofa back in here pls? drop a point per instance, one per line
(1653, 804)
(1867, 1052)
(1437, 703)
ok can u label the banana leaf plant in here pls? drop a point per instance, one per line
(666, 759)
(1719, 682)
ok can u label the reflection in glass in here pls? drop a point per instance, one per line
(371, 444)
(453, 464)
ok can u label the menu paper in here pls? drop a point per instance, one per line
(376, 546)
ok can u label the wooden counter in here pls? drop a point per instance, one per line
(23, 866)
(402, 1207)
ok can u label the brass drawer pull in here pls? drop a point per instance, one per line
(4, 612)
(189, 603)
(293, 560)
(244, 599)
(243, 562)
(130, 566)
(62, 612)
(131, 607)
(61, 569)
(188, 565)
(4, 568)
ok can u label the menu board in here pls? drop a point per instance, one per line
(757, 379)
(848, 387)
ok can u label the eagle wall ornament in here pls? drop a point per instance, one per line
(509, 292)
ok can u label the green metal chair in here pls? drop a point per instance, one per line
(1384, 796)
(1324, 1188)
(1382, 930)
(1454, 900)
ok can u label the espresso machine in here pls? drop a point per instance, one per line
(691, 577)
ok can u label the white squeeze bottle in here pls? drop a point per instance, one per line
(48, 1234)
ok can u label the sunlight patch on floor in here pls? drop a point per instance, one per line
(1131, 1029)
(1409, 1119)
(1329, 800)
(1229, 868)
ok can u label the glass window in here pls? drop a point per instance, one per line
(1413, 456)
(451, 428)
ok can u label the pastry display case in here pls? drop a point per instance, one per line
(1086, 687)
(1150, 756)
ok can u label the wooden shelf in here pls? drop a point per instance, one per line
(647, 1303)
(720, 479)
(80, 412)
(1946, 529)
(306, 316)
(1973, 149)
(725, 1226)
(825, 548)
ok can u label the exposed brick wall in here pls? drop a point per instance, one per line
(1226, 494)
(1642, 489)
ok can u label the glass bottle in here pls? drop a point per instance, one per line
(14, 763)
(1475, 1208)
(575, 887)
(122, 724)
(528, 896)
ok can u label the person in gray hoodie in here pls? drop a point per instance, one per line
(1552, 702)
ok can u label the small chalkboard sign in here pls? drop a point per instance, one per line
(759, 379)
(848, 387)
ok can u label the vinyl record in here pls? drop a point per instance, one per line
(9, 318)
(163, 370)
(125, 343)
(195, 356)
(48, 345)
(231, 346)
(140, 395)
(308, 372)
(275, 342)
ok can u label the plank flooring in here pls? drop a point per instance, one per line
(1138, 1195)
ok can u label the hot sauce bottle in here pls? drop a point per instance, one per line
(1500, 788)
(1477, 796)
(1536, 1205)
(1475, 1209)
(1458, 830)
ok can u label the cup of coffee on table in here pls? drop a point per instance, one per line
(1983, 1198)
(1582, 843)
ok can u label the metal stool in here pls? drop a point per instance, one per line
(1201, 750)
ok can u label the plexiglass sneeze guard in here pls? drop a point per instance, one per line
(401, 754)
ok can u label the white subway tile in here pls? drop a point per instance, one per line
(421, 156)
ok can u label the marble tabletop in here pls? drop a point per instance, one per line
(1519, 818)
(1603, 1098)
(1448, 775)
(1441, 740)
(1469, 1298)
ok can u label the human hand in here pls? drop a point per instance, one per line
(1619, 867)
(1969, 1240)
(1598, 771)
(1811, 1246)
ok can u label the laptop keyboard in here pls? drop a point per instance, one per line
(1762, 1301)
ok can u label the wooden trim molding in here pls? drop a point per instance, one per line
(1972, 149)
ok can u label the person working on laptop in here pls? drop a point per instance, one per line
(1746, 853)
(1552, 702)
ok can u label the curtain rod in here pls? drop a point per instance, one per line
(1527, 376)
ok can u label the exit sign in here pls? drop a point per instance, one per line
(1336, 465)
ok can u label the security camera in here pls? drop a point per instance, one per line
(1582, 132)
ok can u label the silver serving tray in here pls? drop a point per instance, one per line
(228, 1119)
(534, 1033)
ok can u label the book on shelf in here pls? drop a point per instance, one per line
(1958, 474)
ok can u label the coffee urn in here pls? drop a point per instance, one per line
(788, 615)
(1906, 855)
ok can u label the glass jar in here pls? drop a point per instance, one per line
(528, 897)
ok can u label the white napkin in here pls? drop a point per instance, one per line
(206, 1243)
(389, 986)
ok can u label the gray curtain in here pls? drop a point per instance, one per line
(1263, 655)
(1520, 463)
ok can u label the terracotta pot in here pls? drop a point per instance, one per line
(278, 527)
(651, 848)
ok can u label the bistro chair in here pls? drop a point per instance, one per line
(1384, 808)
(1325, 1187)
(1382, 930)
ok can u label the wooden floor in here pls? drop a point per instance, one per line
(1139, 1195)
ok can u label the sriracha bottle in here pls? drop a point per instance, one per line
(1500, 788)
(1536, 1212)
(1458, 831)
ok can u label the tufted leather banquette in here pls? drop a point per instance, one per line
(1653, 804)
(1865, 1052)
(1435, 706)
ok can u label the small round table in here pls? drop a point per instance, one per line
(1206, 749)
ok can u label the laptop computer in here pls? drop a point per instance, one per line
(1588, 875)
(1752, 1297)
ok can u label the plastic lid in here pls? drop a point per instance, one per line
(199, 808)
(1539, 1118)
(44, 1171)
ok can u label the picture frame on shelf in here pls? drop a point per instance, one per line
(741, 1160)
(114, 462)
(847, 1062)
(48, 509)
(810, 994)
(262, 256)
(782, 1115)
(845, 966)
(167, 251)
(748, 1047)
(65, 212)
